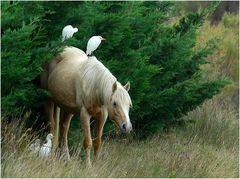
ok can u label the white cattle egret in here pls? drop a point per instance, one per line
(93, 44)
(68, 32)
(45, 150)
(35, 147)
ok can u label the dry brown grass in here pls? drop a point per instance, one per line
(207, 147)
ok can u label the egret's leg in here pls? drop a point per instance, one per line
(64, 127)
(85, 122)
(98, 130)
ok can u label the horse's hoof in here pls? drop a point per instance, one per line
(65, 157)
(89, 165)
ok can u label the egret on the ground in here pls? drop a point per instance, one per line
(45, 150)
(35, 147)
(68, 32)
(93, 44)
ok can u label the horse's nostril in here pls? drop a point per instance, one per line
(124, 126)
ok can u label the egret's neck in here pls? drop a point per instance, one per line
(49, 142)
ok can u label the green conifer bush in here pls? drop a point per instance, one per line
(160, 60)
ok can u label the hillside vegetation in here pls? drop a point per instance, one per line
(224, 62)
(205, 142)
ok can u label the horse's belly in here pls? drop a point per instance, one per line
(70, 109)
(62, 89)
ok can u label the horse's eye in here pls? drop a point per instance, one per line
(115, 104)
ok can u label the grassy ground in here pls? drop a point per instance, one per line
(207, 146)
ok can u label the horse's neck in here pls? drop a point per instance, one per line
(107, 92)
(95, 82)
(98, 97)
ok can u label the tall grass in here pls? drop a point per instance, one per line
(207, 147)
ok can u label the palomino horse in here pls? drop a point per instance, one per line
(84, 86)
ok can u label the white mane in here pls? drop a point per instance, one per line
(95, 82)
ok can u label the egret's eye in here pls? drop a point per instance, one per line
(114, 104)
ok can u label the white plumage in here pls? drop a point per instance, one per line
(93, 44)
(35, 147)
(68, 32)
(45, 150)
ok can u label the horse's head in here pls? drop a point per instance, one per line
(119, 106)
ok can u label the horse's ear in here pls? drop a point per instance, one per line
(127, 86)
(114, 86)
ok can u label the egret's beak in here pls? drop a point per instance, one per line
(103, 39)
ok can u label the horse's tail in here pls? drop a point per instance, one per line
(57, 119)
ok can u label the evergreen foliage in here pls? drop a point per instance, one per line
(158, 59)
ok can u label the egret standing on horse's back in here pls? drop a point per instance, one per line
(93, 44)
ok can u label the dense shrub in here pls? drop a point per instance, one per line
(158, 59)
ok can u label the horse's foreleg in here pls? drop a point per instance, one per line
(85, 123)
(64, 127)
(98, 130)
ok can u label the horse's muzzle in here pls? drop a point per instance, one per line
(126, 128)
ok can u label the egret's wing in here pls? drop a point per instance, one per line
(92, 45)
(67, 32)
(42, 151)
(64, 31)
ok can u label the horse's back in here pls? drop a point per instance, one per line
(61, 81)
(73, 53)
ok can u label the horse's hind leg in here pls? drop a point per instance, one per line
(64, 127)
(49, 108)
(56, 131)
